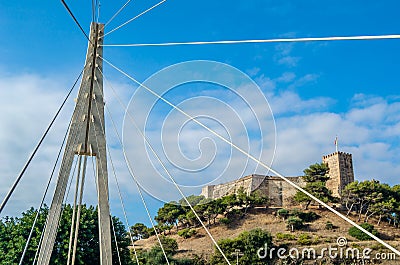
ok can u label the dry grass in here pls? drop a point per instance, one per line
(202, 245)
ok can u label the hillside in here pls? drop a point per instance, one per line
(266, 219)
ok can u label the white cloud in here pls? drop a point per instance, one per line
(305, 131)
(290, 102)
(283, 55)
(28, 103)
(290, 61)
(253, 71)
(286, 77)
(304, 138)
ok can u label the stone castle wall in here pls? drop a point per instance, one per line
(280, 192)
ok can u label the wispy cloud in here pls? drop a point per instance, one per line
(283, 55)
(306, 128)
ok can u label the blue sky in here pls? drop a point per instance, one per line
(316, 90)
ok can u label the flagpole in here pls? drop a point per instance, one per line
(336, 144)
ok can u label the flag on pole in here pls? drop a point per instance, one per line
(336, 143)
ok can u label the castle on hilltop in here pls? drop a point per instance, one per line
(280, 192)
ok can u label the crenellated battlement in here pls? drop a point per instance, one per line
(336, 153)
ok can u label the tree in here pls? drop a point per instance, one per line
(318, 189)
(169, 213)
(14, 232)
(186, 216)
(244, 200)
(294, 223)
(192, 199)
(360, 235)
(140, 231)
(169, 244)
(210, 209)
(249, 201)
(123, 243)
(283, 213)
(315, 177)
(396, 192)
(260, 199)
(362, 195)
(229, 202)
(371, 198)
(382, 208)
(316, 172)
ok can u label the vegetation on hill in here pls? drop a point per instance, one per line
(247, 246)
(371, 198)
(366, 202)
(360, 235)
(179, 214)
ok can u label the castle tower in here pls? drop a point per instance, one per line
(340, 171)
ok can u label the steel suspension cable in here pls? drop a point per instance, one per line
(256, 160)
(340, 38)
(44, 195)
(174, 182)
(97, 145)
(102, 170)
(111, 219)
(73, 218)
(117, 13)
(78, 214)
(93, 10)
(65, 200)
(131, 172)
(69, 188)
(134, 18)
(122, 205)
(180, 191)
(78, 114)
(115, 240)
(115, 176)
(76, 21)
(116, 180)
(142, 197)
(10, 192)
(98, 11)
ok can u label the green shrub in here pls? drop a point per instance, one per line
(225, 221)
(329, 225)
(187, 233)
(294, 223)
(305, 239)
(234, 214)
(248, 242)
(283, 236)
(309, 217)
(283, 213)
(360, 235)
(306, 217)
